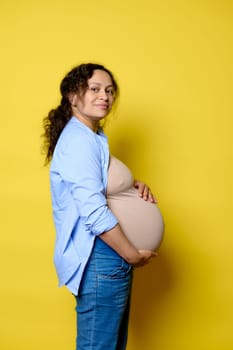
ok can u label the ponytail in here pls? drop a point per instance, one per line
(53, 125)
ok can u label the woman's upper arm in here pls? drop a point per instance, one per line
(80, 165)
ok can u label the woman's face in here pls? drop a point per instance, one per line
(97, 100)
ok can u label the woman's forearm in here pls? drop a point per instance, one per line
(117, 240)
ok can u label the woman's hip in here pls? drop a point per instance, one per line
(106, 273)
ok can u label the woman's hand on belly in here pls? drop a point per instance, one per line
(117, 240)
(147, 255)
(144, 191)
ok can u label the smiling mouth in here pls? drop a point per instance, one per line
(102, 106)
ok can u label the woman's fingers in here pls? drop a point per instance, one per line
(145, 192)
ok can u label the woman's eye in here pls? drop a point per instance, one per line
(94, 89)
(110, 92)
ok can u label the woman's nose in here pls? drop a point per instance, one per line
(103, 95)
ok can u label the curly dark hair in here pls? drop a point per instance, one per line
(55, 121)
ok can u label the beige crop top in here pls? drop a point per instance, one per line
(140, 220)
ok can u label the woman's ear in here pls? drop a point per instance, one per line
(72, 97)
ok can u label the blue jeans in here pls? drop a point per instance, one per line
(103, 301)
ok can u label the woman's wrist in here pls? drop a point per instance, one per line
(134, 258)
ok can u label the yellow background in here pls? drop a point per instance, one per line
(173, 127)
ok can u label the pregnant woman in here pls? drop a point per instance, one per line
(106, 223)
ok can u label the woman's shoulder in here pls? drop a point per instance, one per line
(75, 132)
(77, 137)
(74, 127)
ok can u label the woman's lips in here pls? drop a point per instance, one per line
(102, 106)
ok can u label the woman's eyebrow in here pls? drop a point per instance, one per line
(97, 83)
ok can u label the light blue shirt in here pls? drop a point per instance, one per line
(78, 177)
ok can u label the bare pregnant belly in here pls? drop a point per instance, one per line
(140, 220)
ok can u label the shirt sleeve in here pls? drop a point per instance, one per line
(80, 166)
